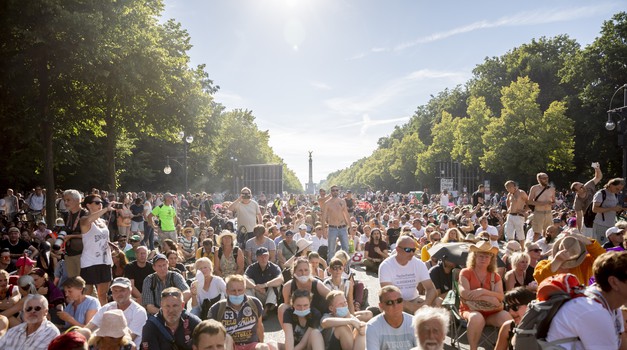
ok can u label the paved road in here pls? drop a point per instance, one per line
(274, 332)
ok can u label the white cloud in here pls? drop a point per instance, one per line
(320, 85)
(368, 103)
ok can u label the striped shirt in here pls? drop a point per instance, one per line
(16, 338)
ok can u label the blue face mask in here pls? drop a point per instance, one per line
(236, 299)
(302, 313)
(341, 311)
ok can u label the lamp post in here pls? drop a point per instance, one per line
(621, 112)
(186, 142)
(235, 189)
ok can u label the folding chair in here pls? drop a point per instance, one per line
(459, 326)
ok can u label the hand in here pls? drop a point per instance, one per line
(42, 290)
(193, 289)
(64, 316)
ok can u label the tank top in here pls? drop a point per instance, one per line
(318, 302)
(228, 265)
(96, 250)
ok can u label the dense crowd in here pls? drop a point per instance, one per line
(194, 271)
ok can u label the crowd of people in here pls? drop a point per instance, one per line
(163, 271)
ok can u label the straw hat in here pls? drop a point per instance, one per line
(471, 238)
(188, 230)
(302, 244)
(113, 325)
(513, 246)
(485, 247)
(226, 233)
(576, 251)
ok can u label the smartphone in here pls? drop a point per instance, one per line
(595, 165)
(117, 206)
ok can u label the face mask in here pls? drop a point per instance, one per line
(236, 299)
(341, 311)
(302, 313)
(302, 279)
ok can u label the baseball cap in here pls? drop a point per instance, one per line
(262, 251)
(289, 233)
(557, 220)
(158, 257)
(612, 230)
(302, 227)
(122, 282)
(167, 194)
(135, 238)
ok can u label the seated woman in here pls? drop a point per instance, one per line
(314, 261)
(519, 276)
(301, 323)
(229, 259)
(174, 264)
(516, 301)
(47, 288)
(207, 289)
(376, 250)
(452, 235)
(340, 329)
(481, 292)
(119, 263)
(113, 333)
(26, 286)
(9, 293)
(81, 308)
(187, 244)
(359, 292)
(346, 286)
(302, 280)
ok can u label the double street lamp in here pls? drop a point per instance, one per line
(610, 125)
(186, 142)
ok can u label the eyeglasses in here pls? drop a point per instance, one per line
(409, 250)
(392, 302)
(36, 308)
(512, 307)
(171, 294)
(336, 267)
(536, 250)
(96, 202)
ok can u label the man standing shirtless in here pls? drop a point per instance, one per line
(335, 218)
(542, 197)
(516, 200)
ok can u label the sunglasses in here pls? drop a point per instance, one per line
(96, 202)
(392, 302)
(409, 250)
(512, 307)
(246, 193)
(536, 250)
(336, 267)
(36, 308)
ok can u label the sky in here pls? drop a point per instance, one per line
(334, 76)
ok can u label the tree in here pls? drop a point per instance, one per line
(524, 141)
(468, 146)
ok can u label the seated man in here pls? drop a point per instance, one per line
(262, 279)
(36, 332)
(158, 281)
(171, 328)
(241, 315)
(391, 329)
(431, 326)
(211, 334)
(135, 314)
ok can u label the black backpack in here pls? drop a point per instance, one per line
(589, 215)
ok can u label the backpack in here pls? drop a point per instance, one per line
(534, 326)
(235, 252)
(589, 215)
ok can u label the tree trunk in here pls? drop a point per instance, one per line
(46, 140)
(110, 142)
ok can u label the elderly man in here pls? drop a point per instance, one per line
(36, 332)
(262, 279)
(134, 313)
(166, 213)
(161, 279)
(74, 238)
(431, 326)
(172, 326)
(406, 272)
(392, 329)
(137, 271)
(599, 311)
(248, 215)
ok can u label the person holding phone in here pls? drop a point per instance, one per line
(583, 198)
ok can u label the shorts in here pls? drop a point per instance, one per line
(514, 227)
(96, 274)
(541, 220)
(137, 226)
(163, 235)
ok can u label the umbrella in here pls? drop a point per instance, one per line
(456, 253)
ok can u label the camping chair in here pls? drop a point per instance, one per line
(459, 326)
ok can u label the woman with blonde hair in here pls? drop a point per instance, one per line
(303, 280)
(207, 289)
(519, 275)
(451, 235)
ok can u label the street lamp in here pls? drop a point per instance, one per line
(621, 112)
(186, 142)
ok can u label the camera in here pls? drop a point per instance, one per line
(117, 206)
(246, 196)
(59, 241)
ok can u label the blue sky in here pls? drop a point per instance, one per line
(333, 76)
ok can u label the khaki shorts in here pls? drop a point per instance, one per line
(541, 220)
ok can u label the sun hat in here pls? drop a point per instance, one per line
(188, 230)
(225, 233)
(485, 247)
(513, 246)
(302, 244)
(113, 325)
(576, 251)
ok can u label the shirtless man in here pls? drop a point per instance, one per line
(516, 200)
(322, 198)
(542, 197)
(334, 219)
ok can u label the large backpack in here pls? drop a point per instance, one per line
(553, 292)
(589, 215)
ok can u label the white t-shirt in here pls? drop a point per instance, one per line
(492, 231)
(406, 278)
(318, 242)
(381, 336)
(590, 321)
(135, 316)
